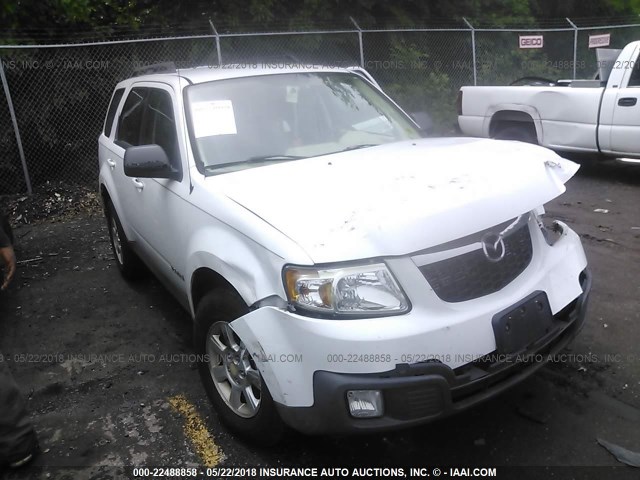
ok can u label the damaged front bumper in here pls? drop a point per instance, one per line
(439, 358)
(418, 393)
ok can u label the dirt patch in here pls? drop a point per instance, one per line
(52, 202)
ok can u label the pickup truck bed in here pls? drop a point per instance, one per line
(589, 116)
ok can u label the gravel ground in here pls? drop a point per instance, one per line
(102, 361)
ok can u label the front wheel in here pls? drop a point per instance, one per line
(229, 373)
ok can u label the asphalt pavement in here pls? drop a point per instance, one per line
(109, 369)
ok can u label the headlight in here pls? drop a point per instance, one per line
(368, 290)
(551, 230)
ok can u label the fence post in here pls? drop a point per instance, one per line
(359, 41)
(215, 32)
(14, 121)
(575, 46)
(473, 50)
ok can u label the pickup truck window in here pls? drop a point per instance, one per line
(634, 80)
(250, 121)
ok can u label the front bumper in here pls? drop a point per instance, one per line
(418, 393)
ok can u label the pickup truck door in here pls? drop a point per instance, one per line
(625, 123)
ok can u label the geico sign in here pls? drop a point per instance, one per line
(531, 41)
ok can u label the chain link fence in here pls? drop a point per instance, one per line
(60, 93)
(421, 70)
(585, 57)
(500, 61)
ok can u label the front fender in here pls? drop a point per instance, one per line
(253, 271)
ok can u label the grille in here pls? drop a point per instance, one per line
(472, 275)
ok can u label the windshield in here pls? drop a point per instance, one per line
(250, 121)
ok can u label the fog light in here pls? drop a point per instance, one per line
(365, 403)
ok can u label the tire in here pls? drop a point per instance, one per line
(525, 133)
(129, 264)
(233, 383)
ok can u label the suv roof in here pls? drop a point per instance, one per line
(209, 73)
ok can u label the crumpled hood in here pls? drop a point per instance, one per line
(399, 198)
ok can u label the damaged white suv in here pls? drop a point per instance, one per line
(344, 274)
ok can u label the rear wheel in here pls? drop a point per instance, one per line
(525, 133)
(128, 262)
(229, 373)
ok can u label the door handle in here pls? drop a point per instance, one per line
(111, 163)
(139, 185)
(627, 102)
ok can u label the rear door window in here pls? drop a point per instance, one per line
(111, 113)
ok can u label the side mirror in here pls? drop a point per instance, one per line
(423, 120)
(149, 161)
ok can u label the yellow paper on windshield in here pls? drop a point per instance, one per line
(213, 118)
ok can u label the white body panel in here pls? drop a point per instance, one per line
(439, 186)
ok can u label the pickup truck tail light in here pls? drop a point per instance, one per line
(459, 102)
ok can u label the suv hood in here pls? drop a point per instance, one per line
(399, 198)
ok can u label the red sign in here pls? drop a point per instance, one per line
(531, 41)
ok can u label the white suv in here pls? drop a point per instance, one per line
(343, 273)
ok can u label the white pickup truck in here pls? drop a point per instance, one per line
(585, 116)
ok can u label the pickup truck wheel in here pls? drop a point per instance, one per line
(229, 373)
(525, 134)
(128, 262)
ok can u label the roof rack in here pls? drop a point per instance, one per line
(166, 67)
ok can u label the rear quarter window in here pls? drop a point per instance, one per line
(111, 113)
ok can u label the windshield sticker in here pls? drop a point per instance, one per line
(292, 94)
(213, 118)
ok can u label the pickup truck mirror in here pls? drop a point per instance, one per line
(149, 161)
(423, 120)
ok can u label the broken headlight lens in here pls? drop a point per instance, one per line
(369, 290)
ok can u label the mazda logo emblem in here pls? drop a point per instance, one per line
(493, 247)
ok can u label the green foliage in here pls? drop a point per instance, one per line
(56, 18)
(421, 86)
(501, 12)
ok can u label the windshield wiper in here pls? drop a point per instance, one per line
(362, 145)
(268, 158)
(256, 159)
